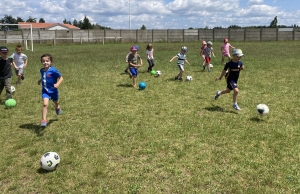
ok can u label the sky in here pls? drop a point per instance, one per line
(158, 14)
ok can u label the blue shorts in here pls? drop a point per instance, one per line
(231, 85)
(53, 96)
(133, 71)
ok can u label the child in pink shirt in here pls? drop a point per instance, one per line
(225, 50)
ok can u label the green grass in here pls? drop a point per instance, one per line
(172, 137)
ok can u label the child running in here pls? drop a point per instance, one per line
(133, 61)
(202, 54)
(180, 63)
(150, 57)
(234, 67)
(51, 79)
(208, 51)
(225, 50)
(20, 63)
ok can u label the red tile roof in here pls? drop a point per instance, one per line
(45, 25)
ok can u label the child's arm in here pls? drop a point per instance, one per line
(222, 74)
(60, 79)
(213, 53)
(141, 61)
(187, 61)
(127, 57)
(231, 47)
(39, 82)
(14, 64)
(25, 62)
(173, 58)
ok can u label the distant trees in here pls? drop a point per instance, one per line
(143, 27)
(41, 20)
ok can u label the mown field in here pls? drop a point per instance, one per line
(172, 137)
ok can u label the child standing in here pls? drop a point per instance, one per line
(51, 79)
(180, 63)
(150, 57)
(225, 50)
(208, 51)
(133, 60)
(5, 71)
(234, 67)
(202, 54)
(20, 62)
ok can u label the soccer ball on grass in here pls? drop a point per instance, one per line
(50, 161)
(189, 78)
(158, 73)
(12, 89)
(262, 109)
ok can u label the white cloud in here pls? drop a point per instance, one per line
(255, 2)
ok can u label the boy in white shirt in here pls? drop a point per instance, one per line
(20, 61)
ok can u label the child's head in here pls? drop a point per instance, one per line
(184, 49)
(18, 49)
(237, 53)
(133, 49)
(209, 43)
(225, 40)
(203, 43)
(3, 51)
(149, 46)
(46, 60)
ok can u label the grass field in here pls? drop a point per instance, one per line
(172, 137)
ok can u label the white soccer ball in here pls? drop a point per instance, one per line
(211, 65)
(189, 78)
(262, 109)
(12, 89)
(158, 73)
(50, 161)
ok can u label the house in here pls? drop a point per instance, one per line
(47, 26)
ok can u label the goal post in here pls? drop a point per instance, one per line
(25, 40)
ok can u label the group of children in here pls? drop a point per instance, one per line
(231, 69)
(51, 78)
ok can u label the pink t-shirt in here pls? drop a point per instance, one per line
(225, 48)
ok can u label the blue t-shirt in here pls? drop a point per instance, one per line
(181, 57)
(49, 78)
(233, 70)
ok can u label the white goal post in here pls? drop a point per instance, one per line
(29, 36)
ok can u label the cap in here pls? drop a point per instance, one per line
(137, 47)
(133, 48)
(237, 52)
(184, 48)
(209, 43)
(203, 42)
(3, 49)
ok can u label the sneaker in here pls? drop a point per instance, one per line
(218, 93)
(43, 123)
(180, 79)
(125, 71)
(203, 67)
(208, 71)
(236, 107)
(18, 83)
(22, 77)
(176, 78)
(58, 111)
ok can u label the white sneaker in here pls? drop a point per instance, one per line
(236, 107)
(218, 93)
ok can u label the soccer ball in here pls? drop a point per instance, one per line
(12, 89)
(158, 73)
(10, 103)
(50, 161)
(142, 85)
(153, 72)
(189, 78)
(262, 109)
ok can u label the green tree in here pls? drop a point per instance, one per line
(143, 27)
(75, 23)
(273, 24)
(19, 19)
(86, 23)
(41, 20)
(30, 19)
(8, 19)
(234, 26)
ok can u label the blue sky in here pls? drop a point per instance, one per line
(158, 14)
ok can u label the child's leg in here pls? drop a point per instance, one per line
(56, 104)
(7, 84)
(149, 65)
(134, 81)
(229, 58)
(235, 94)
(45, 108)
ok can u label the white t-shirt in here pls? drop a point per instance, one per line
(19, 59)
(150, 53)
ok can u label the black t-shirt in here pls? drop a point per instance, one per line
(233, 70)
(5, 68)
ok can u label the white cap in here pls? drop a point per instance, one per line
(237, 52)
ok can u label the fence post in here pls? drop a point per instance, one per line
(198, 34)
(213, 35)
(54, 41)
(168, 35)
(136, 36)
(277, 32)
(121, 35)
(183, 35)
(294, 31)
(229, 38)
(152, 37)
(103, 40)
(260, 34)
(245, 34)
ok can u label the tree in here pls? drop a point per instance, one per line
(19, 19)
(143, 27)
(30, 19)
(41, 20)
(86, 23)
(273, 24)
(8, 19)
(234, 26)
(75, 23)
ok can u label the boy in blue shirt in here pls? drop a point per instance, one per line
(232, 72)
(51, 79)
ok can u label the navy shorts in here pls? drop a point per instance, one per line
(231, 85)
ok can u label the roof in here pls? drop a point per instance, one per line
(46, 26)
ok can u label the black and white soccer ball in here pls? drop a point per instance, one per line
(189, 78)
(158, 73)
(262, 109)
(50, 161)
(12, 89)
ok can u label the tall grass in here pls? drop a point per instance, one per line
(172, 137)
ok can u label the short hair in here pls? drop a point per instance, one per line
(47, 55)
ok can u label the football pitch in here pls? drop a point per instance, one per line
(171, 137)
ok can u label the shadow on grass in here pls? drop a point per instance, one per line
(37, 128)
(219, 109)
(257, 119)
(125, 85)
(43, 171)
